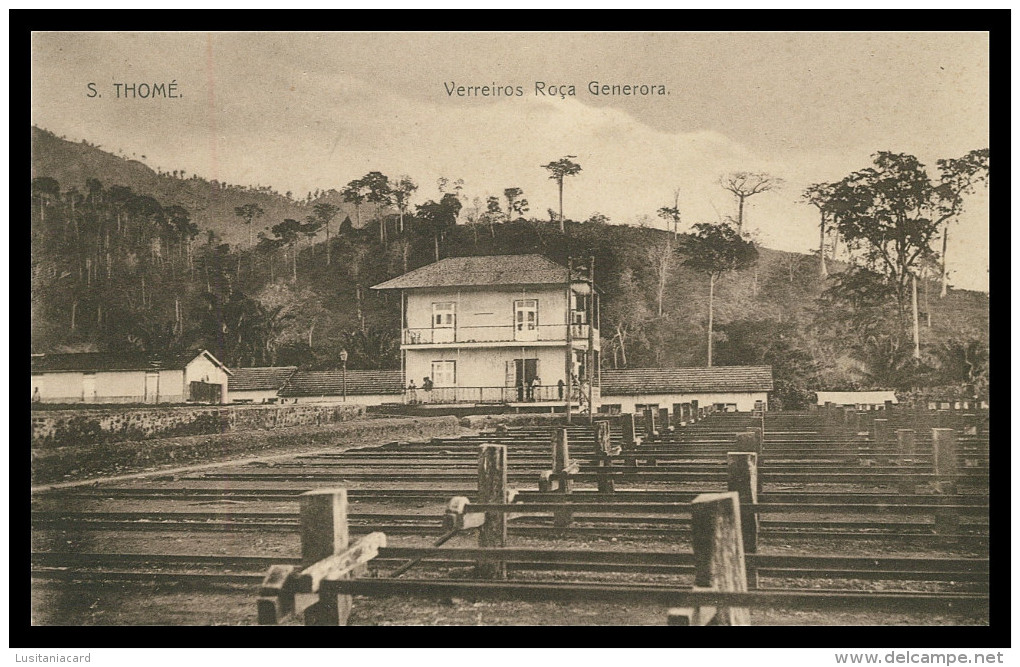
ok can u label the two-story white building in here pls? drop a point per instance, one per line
(518, 330)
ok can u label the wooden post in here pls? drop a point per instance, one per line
(492, 489)
(560, 450)
(750, 441)
(603, 449)
(561, 459)
(905, 442)
(944, 463)
(649, 416)
(324, 533)
(719, 551)
(679, 415)
(970, 424)
(629, 436)
(850, 421)
(943, 444)
(905, 449)
(880, 434)
(742, 477)
(663, 420)
(603, 440)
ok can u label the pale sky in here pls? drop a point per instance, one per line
(300, 111)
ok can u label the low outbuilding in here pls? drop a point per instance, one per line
(352, 386)
(727, 388)
(860, 400)
(259, 384)
(195, 376)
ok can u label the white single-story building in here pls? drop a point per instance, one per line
(95, 377)
(728, 388)
(352, 386)
(861, 400)
(259, 385)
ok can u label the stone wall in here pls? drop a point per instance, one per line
(57, 428)
(62, 464)
(489, 422)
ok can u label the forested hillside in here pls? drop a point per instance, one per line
(127, 258)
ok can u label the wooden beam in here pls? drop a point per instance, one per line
(719, 550)
(563, 468)
(629, 435)
(945, 465)
(742, 477)
(324, 533)
(456, 518)
(663, 420)
(604, 448)
(276, 595)
(492, 488)
(560, 450)
(649, 418)
(338, 566)
(905, 448)
(751, 441)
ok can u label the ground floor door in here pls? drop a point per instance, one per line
(151, 388)
(88, 389)
(525, 371)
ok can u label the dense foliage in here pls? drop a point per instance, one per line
(115, 268)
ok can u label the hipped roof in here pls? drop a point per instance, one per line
(716, 379)
(92, 362)
(491, 270)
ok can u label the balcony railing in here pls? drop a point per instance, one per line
(450, 395)
(494, 334)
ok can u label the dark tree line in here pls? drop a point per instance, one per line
(113, 270)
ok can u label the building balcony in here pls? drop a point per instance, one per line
(487, 336)
(539, 395)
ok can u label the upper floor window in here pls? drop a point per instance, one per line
(579, 308)
(444, 315)
(526, 319)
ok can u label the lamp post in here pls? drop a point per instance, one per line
(343, 360)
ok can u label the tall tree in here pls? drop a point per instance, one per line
(958, 176)
(890, 213)
(325, 213)
(354, 193)
(744, 184)
(661, 257)
(248, 213)
(310, 229)
(436, 217)
(379, 193)
(287, 233)
(715, 250)
(671, 214)
(627, 312)
(515, 203)
(402, 191)
(558, 170)
(819, 196)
